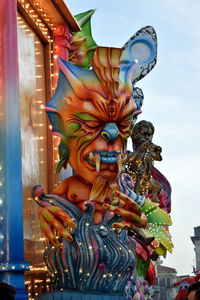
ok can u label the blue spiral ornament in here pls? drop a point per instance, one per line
(126, 186)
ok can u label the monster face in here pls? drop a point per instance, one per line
(92, 110)
(98, 143)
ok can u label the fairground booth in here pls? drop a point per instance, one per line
(33, 33)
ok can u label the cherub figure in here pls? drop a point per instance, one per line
(140, 161)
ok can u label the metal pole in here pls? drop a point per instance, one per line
(12, 265)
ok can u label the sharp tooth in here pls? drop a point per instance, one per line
(97, 161)
(91, 157)
(119, 162)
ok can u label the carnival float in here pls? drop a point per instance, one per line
(103, 210)
(108, 221)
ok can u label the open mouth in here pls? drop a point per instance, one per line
(105, 157)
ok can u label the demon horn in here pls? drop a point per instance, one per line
(126, 73)
(69, 70)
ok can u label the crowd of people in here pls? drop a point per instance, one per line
(7, 291)
(194, 291)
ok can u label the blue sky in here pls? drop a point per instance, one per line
(171, 102)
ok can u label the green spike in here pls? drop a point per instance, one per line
(84, 17)
(83, 42)
(162, 235)
(149, 206)
(161, 251)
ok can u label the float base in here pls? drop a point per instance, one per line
(73, 295)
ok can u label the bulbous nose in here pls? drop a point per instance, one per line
(110, 132)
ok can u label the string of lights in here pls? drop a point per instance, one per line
(36, 279)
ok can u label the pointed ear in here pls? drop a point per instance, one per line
(142, 47)
(73, 75)
(56, 103)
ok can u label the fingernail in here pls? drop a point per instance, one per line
(66, 233)
(73, 225)
(57, 245)
(115, 202)
(105, 205)
(118, 225)
(69, 238)
(115, 193)
(114, 225)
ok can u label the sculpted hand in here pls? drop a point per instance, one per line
(128, 209)
(53, 217)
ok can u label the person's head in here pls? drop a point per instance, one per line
(7, 292)
(194, 291)
(197, 296)
(142, 132)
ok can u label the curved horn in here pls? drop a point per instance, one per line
(126, 75)
(70, 72)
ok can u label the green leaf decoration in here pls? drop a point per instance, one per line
(83, 44)
(162, 235)
(159, 217)
(161, 251)
(148, 233)
(142, 267)
(149, 206)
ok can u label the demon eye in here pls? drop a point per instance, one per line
(93, 124)
(124, 124)
(88, 120)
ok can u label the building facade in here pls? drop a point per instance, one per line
(196, 241)
(165, 279)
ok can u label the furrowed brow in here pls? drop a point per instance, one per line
(85, 117)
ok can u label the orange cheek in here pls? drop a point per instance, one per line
(80, 167)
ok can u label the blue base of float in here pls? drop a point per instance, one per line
(13, 274)
(15, 279)
(72, 295)
(21, 295)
